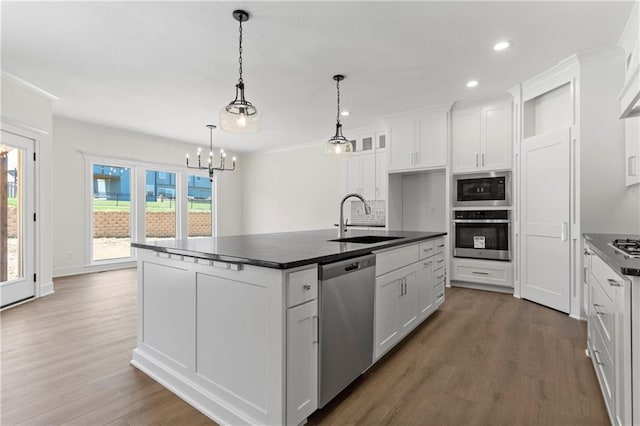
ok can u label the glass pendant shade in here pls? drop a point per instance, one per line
(338, 144)
(240, 118)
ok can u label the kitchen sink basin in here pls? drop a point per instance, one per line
(366, 239)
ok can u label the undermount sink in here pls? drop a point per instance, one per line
(366, 239)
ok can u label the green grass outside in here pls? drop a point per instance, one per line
(152, 206)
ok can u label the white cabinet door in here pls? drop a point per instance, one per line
(632, 150)
(382, 177)
(495, 149)
(400, 144)
(425, 287)
(302, 362)
(545, 242)
(430, 141)
(466, 140)
(368, 167)
(408, 309)
(354, 174)
(389, 290)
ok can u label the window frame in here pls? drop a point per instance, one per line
(137, 221)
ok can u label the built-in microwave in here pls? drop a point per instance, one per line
(482, 189)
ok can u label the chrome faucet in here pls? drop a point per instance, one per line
(342, 226)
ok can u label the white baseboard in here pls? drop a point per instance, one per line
(485, 287)
(46, 289)
(85, 269)
(194, 395)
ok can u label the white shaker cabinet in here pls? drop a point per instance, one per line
(610, 337)
(418, 140)
(409, 288)
(302, 362)
(632, 150)
(482, 138)
(361, 175)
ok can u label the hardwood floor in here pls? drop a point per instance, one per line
(482, 359)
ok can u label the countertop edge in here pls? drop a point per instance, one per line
(594, 243)
(370, 248)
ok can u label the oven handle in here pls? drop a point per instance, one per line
(481, 221)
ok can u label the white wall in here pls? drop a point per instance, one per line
(424, 201)
(26, 110)
(71, 140)
(608, 206)
(292, 190)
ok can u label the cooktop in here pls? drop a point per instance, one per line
(627, 246)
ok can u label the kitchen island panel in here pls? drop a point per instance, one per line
(230, 362)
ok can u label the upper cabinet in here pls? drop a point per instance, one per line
(630, 42)
(482, 138)
(418, 140)
(367, 166)
(632, 150)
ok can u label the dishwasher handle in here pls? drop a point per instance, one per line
(348, 266)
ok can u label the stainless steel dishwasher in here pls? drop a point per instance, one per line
(346, 323)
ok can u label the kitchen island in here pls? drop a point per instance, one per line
(230, 324)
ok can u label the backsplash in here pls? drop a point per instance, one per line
(358, 217)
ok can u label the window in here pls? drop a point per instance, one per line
(199, 200)
(160, 205)
(111, 210)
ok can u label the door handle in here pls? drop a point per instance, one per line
(563, 234)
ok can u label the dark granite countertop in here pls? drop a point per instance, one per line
(284, 250)
(619, 262)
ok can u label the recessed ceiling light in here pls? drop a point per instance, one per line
(502, 45)
(345, 113)
(472, 83)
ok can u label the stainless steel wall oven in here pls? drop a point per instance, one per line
(482, 190)
(482, 234)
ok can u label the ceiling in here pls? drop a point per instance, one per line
(167, 68)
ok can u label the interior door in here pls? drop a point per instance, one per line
(17, 229)
(545, 193)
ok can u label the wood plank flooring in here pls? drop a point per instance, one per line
(482, 359)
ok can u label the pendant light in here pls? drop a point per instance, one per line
(240, 116)
(209, 167)
(338, 144)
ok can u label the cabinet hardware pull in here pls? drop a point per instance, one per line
(482, 160)
(307, 286)
(441, 245)
(440, 261)
(595, 308)
(595, 354)
(614, 283)
(440, 276)
(401, 287)
(428, 249)
(479, 273)
(427, 263)
(587, 252)
(405, 286)
(476, 160)
(316, 328)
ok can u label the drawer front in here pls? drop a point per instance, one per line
(390, 260)
(608, 279)
(438, 245)
(302, 286)
(438, 261)
(427, 249)
(438, 294)
(602, 310)
(438, 276)
(604, 367)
